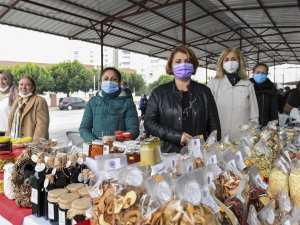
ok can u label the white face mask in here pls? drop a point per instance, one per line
(231, 66)
(3, 89)
(26, 95)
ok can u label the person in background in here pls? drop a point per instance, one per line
(183, 108)
(125, 88)
(280, 100)
(266, 94)
(233, 92)
(112, 109)
(286, 92)
(143, 105)
(293, 99)
(8, 93)
(29, 115)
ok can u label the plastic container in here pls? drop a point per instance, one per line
(64, 203)
(150, 151)
(53, 197)
(97, 148)
(5, 144)
(77, 210)
(127, 136)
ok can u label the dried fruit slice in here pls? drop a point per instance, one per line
(129, 199)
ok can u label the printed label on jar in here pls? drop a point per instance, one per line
(61, 217)
(51, 211)
(189, 167)
(40, 167)
(193, 193)
(34, 196)
(163, 191)
(196, 148)
(112, 164)
(134, 177)
(105, 149)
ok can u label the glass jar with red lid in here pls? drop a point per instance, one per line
(127, 136)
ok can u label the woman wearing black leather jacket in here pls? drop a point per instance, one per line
(266, 94)
(183, 108)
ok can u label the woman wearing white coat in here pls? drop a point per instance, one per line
(233, 92)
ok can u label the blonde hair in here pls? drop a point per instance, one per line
(242, 68)
(184, 49)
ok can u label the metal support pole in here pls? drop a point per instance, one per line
(183, 23)
(274, 70)
(102, 68)
(206, 72)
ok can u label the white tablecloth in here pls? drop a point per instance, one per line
(32, 220)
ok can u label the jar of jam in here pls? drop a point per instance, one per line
(5, 144)
(127, 136)
(97, 148)
(133, 154)
(77, 210)
(108, 144)
(5, 159)
(64, 203)
(53, 197)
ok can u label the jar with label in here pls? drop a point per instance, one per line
(119, 136)
(73, 188)
(77, 210)
(5, 144)
(150, 151)
(48, 185)
(64, 203)
(127, 136)
(53, 197)
(133, 154)
(97, 148)
(87, 148)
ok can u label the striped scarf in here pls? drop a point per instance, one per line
(16, 124)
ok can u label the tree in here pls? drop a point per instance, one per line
(161, 80)
(41, 75)
(71, 77)
(135, 82)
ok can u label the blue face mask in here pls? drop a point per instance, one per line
(260, 78)
(109, 87)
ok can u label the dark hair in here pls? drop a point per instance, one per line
(184, 49)
(32, 82)
(115, 70)
(260, 64)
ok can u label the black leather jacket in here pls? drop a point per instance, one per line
(163, 116)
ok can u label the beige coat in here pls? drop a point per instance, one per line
(35, 118)
(237, 105)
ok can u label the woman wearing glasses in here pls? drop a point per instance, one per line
(8, 93)
(266, 94)
(183, 108)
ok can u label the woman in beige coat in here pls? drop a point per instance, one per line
(234, 93)
(29, 116)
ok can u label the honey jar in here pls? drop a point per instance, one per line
(150, 151)
(64, 203)
(5, 144)
(133, 154)
(97, 148)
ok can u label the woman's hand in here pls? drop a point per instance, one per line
(184, 138)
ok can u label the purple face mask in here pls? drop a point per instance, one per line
(183, 71)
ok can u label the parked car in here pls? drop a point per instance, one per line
(71, 103)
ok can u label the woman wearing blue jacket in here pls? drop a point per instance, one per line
(110, 110)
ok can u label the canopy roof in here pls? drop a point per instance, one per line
(266, 30)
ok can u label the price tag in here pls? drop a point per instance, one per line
(240, 161)
(39, 167)
(193, 193)
(260, 182)
(34, 158)
(213, 159)
(196, 147)
(134, 177)
(208, 200)
(105, 149)
(112, 164)
(163, 191)
(189, 167)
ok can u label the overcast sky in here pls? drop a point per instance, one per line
(23, 45)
